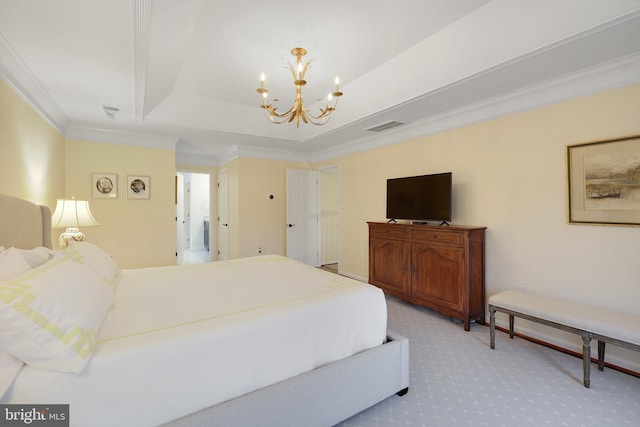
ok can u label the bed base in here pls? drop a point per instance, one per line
(322, 397)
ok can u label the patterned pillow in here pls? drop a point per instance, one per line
(51, 315)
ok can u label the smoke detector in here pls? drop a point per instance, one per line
(110, 111)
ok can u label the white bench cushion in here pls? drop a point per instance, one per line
(597, 320)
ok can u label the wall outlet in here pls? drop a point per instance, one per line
(259, 251)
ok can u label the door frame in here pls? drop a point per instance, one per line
(339, 211)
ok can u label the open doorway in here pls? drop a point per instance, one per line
(193, 229)
(329, 218)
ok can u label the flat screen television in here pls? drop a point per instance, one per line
(420, 198)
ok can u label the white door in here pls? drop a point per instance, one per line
(223, 214)
(303, 224)
(180, 235)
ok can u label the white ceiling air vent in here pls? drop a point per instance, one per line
(384, 126)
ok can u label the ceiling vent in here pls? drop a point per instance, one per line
(384, 126)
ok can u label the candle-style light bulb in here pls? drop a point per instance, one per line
(337, 81)
(262, 80)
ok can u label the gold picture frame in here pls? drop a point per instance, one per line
(604, 182)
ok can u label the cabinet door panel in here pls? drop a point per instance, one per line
(388, 264)
(438, 274)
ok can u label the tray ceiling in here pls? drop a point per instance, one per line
(183, 74)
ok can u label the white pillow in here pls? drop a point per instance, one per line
(36, 256)
(12, 264)
(95, 258)
(9, 369)
(50, 316)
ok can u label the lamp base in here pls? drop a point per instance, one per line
(71, 234)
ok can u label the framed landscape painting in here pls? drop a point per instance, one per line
(604, 182)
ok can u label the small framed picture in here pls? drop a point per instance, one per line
(105, 185)
(138, 187)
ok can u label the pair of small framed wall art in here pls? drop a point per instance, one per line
(105, 186)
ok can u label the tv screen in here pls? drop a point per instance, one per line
(420, 198)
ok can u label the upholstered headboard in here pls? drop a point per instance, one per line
(23, 224)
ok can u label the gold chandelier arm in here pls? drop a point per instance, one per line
(325, 113)
(273, 120)
(297, 112)
(274, 110)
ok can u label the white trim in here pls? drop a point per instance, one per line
(353, 276)
(622, 72)
(142, 17)
(192, 159)
(118, 137)
(262, 153)
(17, 75)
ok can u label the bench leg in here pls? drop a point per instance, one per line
(601, 345)
(492, 326)
(586, 357)
(511, 326)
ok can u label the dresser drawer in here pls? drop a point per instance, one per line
(389, 231)
(454, 237)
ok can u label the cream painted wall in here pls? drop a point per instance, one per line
(509, 174)
(137, 233)
(32, 161)
(329, 193)
(261, 220)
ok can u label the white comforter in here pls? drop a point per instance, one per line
(180, 339)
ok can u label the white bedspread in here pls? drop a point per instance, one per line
(179, 339)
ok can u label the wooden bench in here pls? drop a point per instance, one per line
(589, 322)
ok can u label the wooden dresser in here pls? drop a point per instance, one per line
(438, 267)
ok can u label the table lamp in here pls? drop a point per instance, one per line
(72, 214)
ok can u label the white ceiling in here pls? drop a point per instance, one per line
(184, 73)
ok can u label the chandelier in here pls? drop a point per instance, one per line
(297, 111)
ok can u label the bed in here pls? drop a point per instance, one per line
(255, 341)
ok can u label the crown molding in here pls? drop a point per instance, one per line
(262, 153)
(123, 138)
(621, 72)
(191, 159)
(15, 72)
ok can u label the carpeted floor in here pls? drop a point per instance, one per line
(457, 380)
